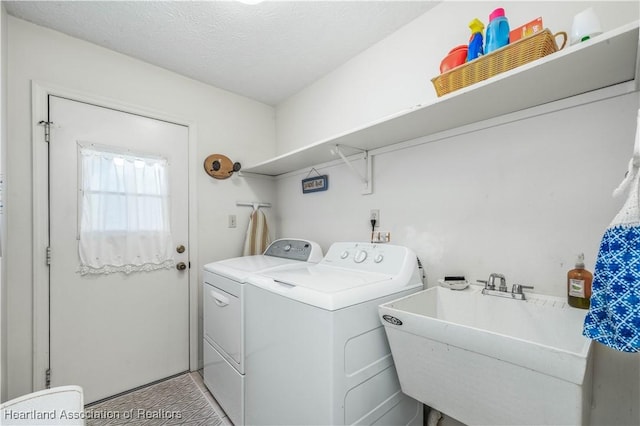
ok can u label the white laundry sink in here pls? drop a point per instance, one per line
(484, 359)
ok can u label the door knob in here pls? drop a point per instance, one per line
(181, 266)
(180, 249)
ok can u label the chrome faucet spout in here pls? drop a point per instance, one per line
(491, 285)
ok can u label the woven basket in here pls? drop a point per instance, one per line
(504, 59)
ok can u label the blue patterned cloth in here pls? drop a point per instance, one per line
(614, 315)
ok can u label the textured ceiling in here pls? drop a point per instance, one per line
(267, 51)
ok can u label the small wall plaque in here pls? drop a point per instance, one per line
(315, 184)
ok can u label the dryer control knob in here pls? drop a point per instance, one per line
(379, 258)
(360, 256)
(344, 255)
(287, 247)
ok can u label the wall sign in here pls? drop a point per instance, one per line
(315, 184)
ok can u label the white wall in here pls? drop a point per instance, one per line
(522, 198)
(238, 127)
(3, 216)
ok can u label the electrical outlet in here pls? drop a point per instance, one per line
(375, 214)
(232, 221)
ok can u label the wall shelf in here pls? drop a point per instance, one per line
(609, 59)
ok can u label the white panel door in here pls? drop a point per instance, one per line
(111, 333)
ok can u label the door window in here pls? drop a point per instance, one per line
(124, 223)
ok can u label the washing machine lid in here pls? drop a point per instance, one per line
(328, 287)
(239, 268)
(280, 253)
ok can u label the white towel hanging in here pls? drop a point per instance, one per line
(257, 238)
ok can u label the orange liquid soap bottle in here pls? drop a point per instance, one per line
(579, 282)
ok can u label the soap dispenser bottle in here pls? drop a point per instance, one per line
(579, 285)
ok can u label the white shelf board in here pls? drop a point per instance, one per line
(603, 61)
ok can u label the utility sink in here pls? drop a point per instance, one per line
(484, 360)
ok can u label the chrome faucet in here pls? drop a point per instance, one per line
(490, 287)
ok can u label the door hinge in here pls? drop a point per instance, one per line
(47, 130)
(48, 255)
(47, 378)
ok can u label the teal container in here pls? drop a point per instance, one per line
(497, 34)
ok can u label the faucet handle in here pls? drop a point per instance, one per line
(503, 283)
(486, 283)
(517, 288)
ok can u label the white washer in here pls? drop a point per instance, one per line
(224, 341)
(316, 350)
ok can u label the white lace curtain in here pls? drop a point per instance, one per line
(124, 221)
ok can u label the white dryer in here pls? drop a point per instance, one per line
(224, 341)
(316, 351)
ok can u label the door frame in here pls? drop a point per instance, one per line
(40, 92)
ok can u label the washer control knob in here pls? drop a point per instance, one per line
(287, 247)
(344, 255)
(360, 256)
(379, 258)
